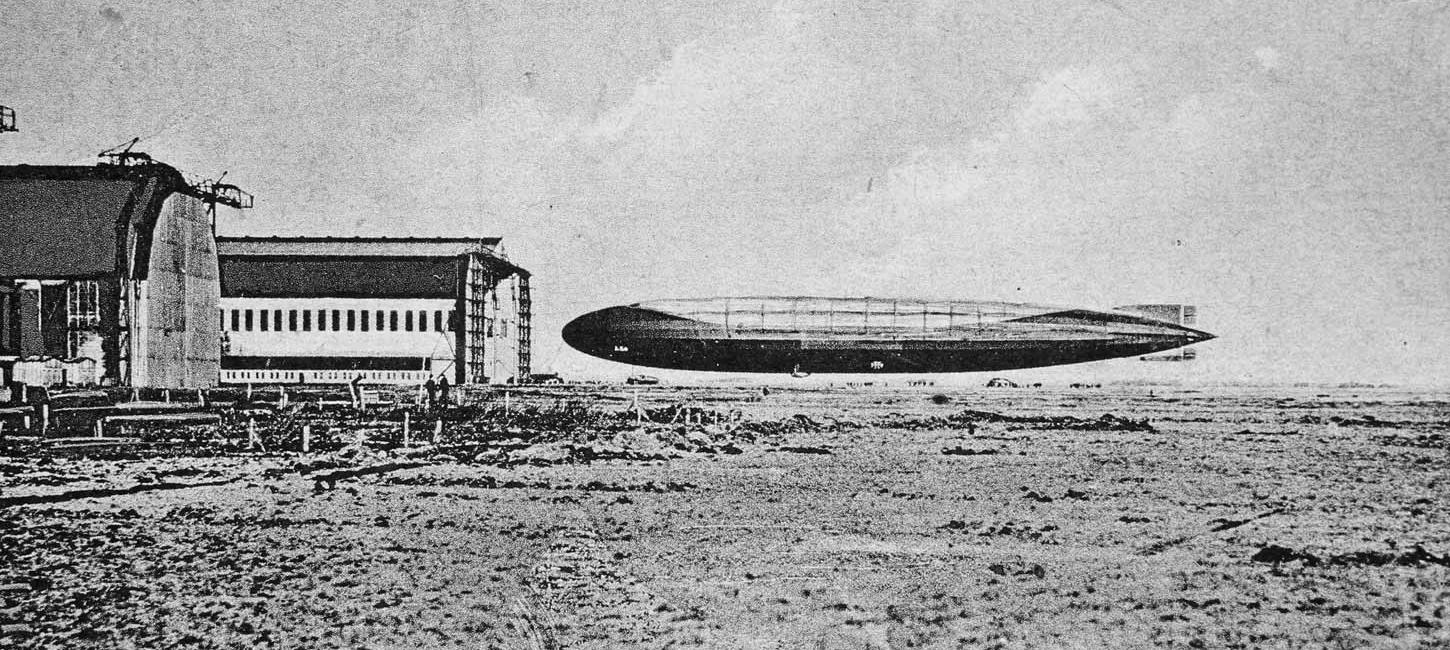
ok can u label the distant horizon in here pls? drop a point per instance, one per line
(961, 380)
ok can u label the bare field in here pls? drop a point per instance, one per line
(880, 518)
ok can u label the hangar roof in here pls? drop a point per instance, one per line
(357, 246)
(351, 267)
(76, 221)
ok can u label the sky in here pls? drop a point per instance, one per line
(1282, 165)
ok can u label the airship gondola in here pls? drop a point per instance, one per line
(873, 335)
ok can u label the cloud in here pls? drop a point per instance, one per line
(1070, 97)
(770, 108)
(1268, 57)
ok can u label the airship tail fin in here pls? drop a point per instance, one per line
(1181, 354)
(1185, 315)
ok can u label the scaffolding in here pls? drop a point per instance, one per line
(526, 328)
(478, 283)
(485, 316)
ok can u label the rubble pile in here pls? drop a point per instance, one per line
(487, 482)
(1025, 531)
(969, 419)
(1417, 556)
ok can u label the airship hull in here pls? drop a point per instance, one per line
(841, 335)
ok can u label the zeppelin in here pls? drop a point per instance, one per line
(873, 335)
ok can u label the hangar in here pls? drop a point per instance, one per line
(108, 275)
(379, 309)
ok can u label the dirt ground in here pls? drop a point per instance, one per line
(882, 519)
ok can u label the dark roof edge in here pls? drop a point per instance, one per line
(103, 171)
(364, 240)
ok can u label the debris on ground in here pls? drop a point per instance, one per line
(1415, 557)
(967, 451)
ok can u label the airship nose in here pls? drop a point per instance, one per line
(587, 333)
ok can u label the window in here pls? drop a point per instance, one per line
(438, 321)
(247, 323)
(292, 320)
(380, 320)
(408, 321)
(264, 321)
(277, 319)
(352, 320)
(337, 320)
(393, 321)
(237, 320)
(307, 320)
(364, 317)
(322, 320)
(422, 321)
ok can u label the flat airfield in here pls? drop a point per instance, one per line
(869, 517)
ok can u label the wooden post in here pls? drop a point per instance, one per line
(638, 412)
(281, 396)
(251, 433)
(437, 431)
(100, 428)
(407, 430)
(249, 391)
(507, 406)
(44, 417)
(306, 438)
(166, 395)
(201, 397)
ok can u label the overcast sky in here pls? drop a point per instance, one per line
(1284, 165)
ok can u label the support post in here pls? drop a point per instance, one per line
(251, 433)
(407, 429)
(306, 438)
(437, 430)
(166, 395)
(44, 418)
(100, 428)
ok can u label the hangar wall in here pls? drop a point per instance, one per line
(177, 305)
(379, 309)
(108, 275)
